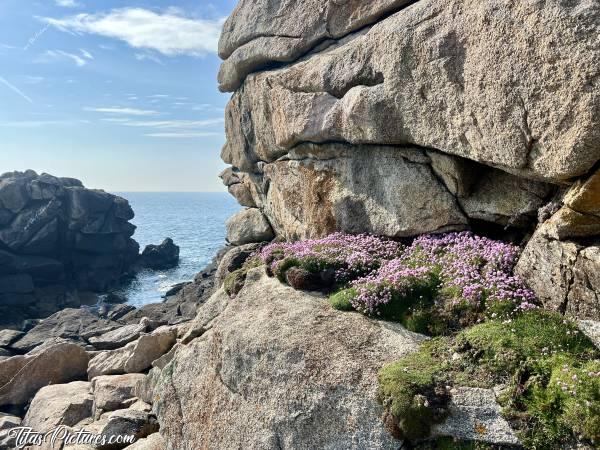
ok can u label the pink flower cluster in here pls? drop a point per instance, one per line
(350, 256)
(470, 268)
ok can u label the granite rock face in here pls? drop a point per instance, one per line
(401, 118)
(56, 237)
(277, 368)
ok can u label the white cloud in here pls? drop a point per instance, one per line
(183, 135)
(58, 55)
(148, 57)
(15, 89)
(171, 33)
(123, 111)
(29, 79)
(67, 3)
(175, 124)
(41, 123)
(86, 54)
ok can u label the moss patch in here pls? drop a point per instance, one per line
(342, 300)
(550, 370)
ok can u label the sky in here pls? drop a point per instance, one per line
(121, 94)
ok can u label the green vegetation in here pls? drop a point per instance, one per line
(551, 372)
(341, 299)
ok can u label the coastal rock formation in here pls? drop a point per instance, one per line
(400, 118)
(160, 257)
(58, 238)
(278, 368)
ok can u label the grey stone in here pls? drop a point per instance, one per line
(291, 371)
(136, 356)
(111, 392)
(72, 324)
(22, 376)
(119, 337)
(59, 404)
(474, 415)
(248, 226)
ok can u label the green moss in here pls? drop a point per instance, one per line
(412, 392)
(550, 369)
(283, 266)
(341, 300)
(234, 282)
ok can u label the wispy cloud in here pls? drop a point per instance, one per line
(86, 54)
(67, 3)
(15, 89)
(175, 124)
(171, 33)
(60, 55)
(123, 111)
(183, 134)
(148, 57)
(29, 79)
(41, 123)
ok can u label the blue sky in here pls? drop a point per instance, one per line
(121, 94)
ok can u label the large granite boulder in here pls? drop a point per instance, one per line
(452, 75)
(55, 232)
(59, 404)
(493, 117)
(277, 368)
(22, 376)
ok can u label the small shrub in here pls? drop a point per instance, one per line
(234, 282)
(342, 300)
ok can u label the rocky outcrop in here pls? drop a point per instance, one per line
(400, 118)
(277, 368)
(160, 257)
(58, 238)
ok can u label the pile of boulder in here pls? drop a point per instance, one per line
(61, 243)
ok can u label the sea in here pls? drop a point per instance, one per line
(196, 223)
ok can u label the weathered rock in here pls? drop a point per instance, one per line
(153, 442)
(282, 31)
(7, 423)
(7, 337)
(22, 376)
(591, 328)
(54, 232)
(134, 357)
(565, 276)
(232, 260)
(59, 404)
(446, 75)
(278, 368)
(248, 226)
(505, 199)
(474, 415)
(127, 422)
(311, 197)
(160, 257)
(71, 324)
(121, 336)
(112, 392)
(580, 215)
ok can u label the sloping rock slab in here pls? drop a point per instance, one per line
(22, 376)
(279, 368)
(112, 391)
(72, 324)
(134, 357)
(476, 416)
(59, 404)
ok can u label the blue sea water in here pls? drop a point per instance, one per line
(195, 221)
